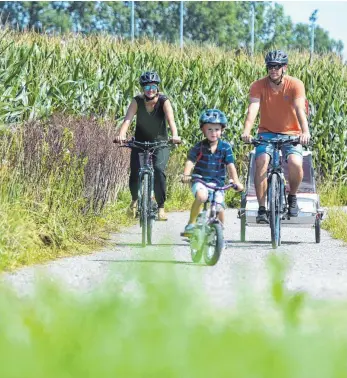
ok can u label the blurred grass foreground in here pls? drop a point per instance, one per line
(161, 328)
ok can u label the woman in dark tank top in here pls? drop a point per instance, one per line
(152, 110)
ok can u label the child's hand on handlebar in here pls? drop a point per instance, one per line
(186, 179)
(239, 185)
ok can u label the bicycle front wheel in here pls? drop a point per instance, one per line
(275, 210)
(214, 244)
(144, 208)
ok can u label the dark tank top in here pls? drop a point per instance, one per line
(151, 126)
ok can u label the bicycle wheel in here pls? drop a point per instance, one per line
(275, 210)
(196, 243)
(214, 244)
(144, 208)
(150, 218)
(243, 217)
(317, 229)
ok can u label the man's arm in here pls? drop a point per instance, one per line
(299, 106)
(252, 112)
(170, 119)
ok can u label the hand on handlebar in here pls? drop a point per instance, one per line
(305, 138)
(239, 185)
(176, 139)
(246, 137)
(119, 138)
(186, 179)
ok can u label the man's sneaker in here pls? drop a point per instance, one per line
(262, 216)
(293, 206)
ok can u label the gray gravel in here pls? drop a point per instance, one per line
(318, 269)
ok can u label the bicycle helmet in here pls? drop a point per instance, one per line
(276, 57)
(149, 77)
(213, 116)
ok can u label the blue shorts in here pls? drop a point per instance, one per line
(286, 150)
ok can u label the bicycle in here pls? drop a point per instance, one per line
(207, 237)
(147, 208)
(277, 205)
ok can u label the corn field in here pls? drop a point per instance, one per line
(98, 75)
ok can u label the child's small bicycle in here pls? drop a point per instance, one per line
(207, 237)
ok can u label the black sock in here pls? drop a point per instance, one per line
(261, 210)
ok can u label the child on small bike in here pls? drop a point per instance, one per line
(210, 158)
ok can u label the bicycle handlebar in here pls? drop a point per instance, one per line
(132, 143)
(280, 141)
(196, 178)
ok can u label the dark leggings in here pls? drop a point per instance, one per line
(160, 159)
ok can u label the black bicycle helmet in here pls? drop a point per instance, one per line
(276, 57)
(213, 116)
(149, 77)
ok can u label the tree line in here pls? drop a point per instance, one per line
(224, 23)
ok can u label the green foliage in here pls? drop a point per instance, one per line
(162, 328)
(226, 23)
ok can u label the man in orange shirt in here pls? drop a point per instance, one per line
(281, 101)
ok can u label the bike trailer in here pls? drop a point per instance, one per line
(307, 197)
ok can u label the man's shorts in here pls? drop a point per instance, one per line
(268, 149)
(219, 198)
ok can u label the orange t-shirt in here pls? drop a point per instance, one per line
(277, 113)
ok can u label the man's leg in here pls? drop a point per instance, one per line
(260, 182)
(295, 176)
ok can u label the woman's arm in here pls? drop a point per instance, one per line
(132, 110)
(170, 118)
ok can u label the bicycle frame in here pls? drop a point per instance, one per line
(145, 206)
(213, 216)
(276, 206)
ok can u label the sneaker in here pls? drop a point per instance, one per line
(293, 206)
(188, 230)
(262, 216)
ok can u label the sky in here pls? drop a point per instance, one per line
(332, 16)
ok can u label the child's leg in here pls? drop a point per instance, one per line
(194, 211)
(201, 194)
(221, 215)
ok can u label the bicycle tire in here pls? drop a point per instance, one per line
(317, 230)
(214, 243)
(144, 208)
(243, 218)
(150, 219)
(275, 210)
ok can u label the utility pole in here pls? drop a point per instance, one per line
(132, 20)
(181, 24)
(313, 19)
(252, 26)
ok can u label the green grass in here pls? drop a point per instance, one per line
(334, 195)
(162, 328)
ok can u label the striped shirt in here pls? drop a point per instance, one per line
(211, 166)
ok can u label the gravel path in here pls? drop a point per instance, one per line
(319, 269)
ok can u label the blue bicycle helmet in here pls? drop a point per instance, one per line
(213, 116)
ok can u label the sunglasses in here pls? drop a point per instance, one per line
(274, 66)
(149, 87)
